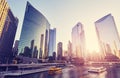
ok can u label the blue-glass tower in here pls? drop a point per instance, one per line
(52, 41)
(35, 28)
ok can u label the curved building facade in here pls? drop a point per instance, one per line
(34, 37)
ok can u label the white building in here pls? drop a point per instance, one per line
(78, 41)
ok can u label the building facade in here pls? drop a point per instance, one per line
(8, 26)
(52, 41)
(78, 41)
(59, 50)
(107, 34)
(15, 48)
(4, 7)
(69, 50)
(35, 32)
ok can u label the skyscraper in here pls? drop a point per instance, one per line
(35, 52)
(41, 46)
(69, 49)
(15, 48)
(59, 50)
(31, 48)
(78, 41)
(8, 26)
(52, 41)
(4, 7)
(107, 34)
(54, 55)
(35, 27)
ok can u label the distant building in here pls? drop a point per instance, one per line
(31, 48)
(41, 46)
(69, 50)
(15, 48)
(27, 52)
(78, 41)
(35, 31)
(54, 55)
(66, 53)
(108, 37)
(35, 52)
(52, 41)
(8, 26)
(59, 51)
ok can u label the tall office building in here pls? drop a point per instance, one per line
(41, 46)
(4, 7)
(31, 48)
(59, 50)
(78, 41)
(108, 37)
(16, 44)
(8, 26)
(15, 48)
(35, 52)
(54, 55)
(52, 41)
(35, 27)
(69, 49)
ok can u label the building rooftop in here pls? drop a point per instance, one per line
(103, 18)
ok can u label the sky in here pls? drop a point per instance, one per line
(65, 14)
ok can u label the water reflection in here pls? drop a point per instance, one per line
(113, 73)
(77, 72)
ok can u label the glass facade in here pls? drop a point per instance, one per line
(3, 14)
(59, 50)
(52, 41)
(7, 38)
(108, 37)
(35, 28)
(78, 41)
(69, 50)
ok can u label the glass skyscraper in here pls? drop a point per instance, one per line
(69, 50)
(3, 14)
(78, 41)
(108, 37)
(8, 26)
(59, 50)
(52, 41)
(35, 33)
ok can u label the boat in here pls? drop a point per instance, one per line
(54, 70)
(70, 65)
(97, 69)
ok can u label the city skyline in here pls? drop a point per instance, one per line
(43, 39)
(73, 12)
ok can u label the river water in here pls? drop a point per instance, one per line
(75, 72)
